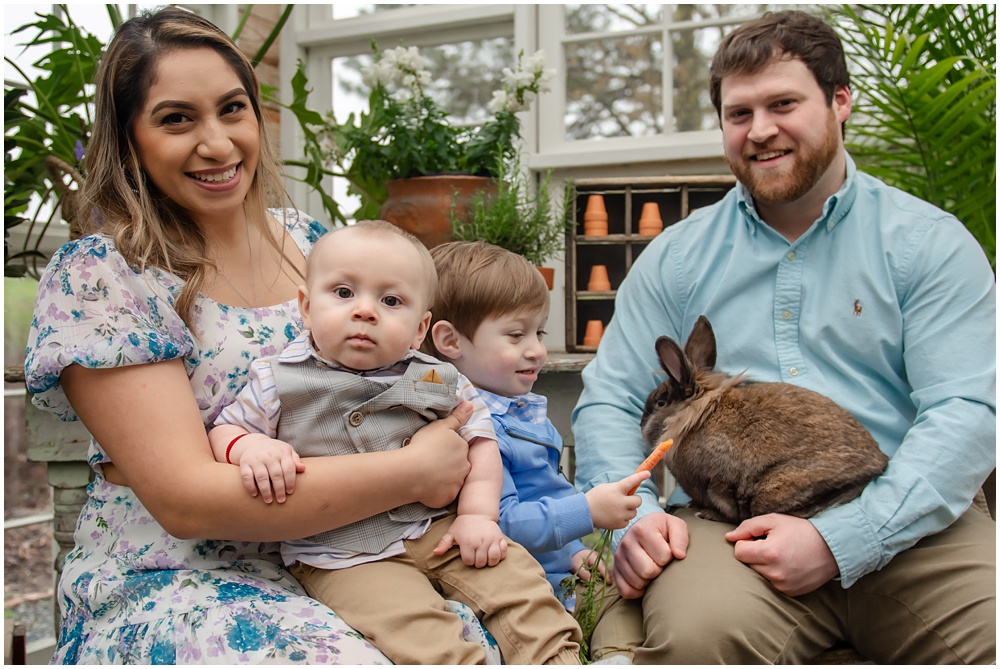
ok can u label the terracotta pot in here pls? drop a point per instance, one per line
(650, 222)
(422, 205)
(599, 278)
(595, 218)
(549, 274)
(593, 334)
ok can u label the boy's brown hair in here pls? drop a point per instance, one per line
(476, 281)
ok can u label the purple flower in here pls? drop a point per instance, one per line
(78, 151)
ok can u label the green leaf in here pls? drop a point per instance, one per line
(925, 104)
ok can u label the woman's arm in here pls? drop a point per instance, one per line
(146, 419)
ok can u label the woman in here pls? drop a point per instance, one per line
(145, 331)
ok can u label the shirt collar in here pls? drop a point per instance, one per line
(500, 405)
(835, 208)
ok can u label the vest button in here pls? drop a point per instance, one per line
(356, 418)
(406, 442)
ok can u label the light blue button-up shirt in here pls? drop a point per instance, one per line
(886, 304)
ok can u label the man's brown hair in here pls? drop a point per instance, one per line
(789, 34)
(477, 281)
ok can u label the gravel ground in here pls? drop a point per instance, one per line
(28, 579)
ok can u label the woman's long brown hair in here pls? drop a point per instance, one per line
(149, 229)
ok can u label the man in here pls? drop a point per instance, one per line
(815, 274)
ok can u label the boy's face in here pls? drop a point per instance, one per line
(366, 299)
(506, 353)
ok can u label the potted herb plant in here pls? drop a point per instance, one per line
(405, 134)
(517, 215)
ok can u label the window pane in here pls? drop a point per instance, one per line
(608, 18)
(464, 77)
(693, 51)
(348, 10)
(614, 85)
(737, 13)
(614, 88)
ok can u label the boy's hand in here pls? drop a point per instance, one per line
(267, 463)
(479, 538)
(583, 565)
(611, 507)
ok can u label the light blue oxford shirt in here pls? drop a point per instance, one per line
(886, 304)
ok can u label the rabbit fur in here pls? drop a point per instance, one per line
(743, 449)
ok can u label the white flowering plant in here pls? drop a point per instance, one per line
(405, 133)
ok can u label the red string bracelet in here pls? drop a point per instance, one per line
(230, 446)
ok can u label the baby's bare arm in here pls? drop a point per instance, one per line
(475, 530)
(480, 495)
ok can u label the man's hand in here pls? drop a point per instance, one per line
(648, 546)
(786, 550)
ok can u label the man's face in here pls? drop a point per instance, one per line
(781, 138)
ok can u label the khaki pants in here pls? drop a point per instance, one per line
(399, 605)
(934, 603)
(619, 631)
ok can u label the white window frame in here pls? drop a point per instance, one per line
(315, 37)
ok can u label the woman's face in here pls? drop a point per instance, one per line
(197, 135)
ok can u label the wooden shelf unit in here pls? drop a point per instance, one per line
(677, 196)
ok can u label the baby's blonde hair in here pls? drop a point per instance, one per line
(379, 227)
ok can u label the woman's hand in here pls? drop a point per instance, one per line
(440, 459)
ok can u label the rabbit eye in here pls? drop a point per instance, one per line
(660, 404)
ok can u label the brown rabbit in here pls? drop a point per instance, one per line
(743, 449)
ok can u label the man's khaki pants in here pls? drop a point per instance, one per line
(934, 603)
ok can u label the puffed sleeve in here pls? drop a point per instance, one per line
(94, 310)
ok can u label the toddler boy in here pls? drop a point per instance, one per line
(489, 320)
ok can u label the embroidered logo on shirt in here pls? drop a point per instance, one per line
(857, 308)
(432, 377)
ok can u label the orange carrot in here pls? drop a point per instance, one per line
(654, 457)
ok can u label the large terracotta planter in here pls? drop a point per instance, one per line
(422, 205)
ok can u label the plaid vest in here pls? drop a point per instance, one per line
(332, 412)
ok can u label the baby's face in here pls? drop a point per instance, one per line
(367, 299)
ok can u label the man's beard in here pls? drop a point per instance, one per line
(789, 184)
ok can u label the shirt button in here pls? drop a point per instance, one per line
(791, 255)
(786, 314)
(356, 418)
(794, 371)
(406, 442)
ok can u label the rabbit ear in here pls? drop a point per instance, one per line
(700, 348)
(673, 360)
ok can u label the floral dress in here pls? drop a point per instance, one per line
(130, 592)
